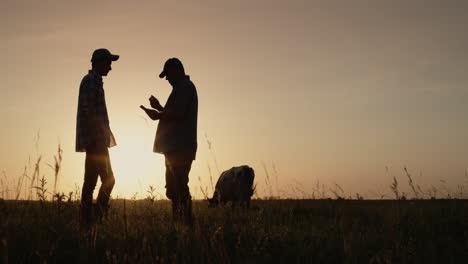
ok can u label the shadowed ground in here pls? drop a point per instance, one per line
(279, 231)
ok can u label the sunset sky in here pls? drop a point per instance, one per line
(328, 91)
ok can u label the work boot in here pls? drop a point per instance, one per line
(100, 212)
(85, 218)
(176, 211)
(187, 212)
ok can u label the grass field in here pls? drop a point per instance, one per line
(271, 231)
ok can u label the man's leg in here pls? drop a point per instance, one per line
(90, 180)
(181, 172)
(170, 184)
(107, 182)
(182, 175)
(177, 186)
(170, 189)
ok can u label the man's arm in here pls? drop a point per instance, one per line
(176, 108)
(153, 114)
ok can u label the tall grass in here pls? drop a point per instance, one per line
(266, 187)
(36, 189)
(326, 225)
(271, 231)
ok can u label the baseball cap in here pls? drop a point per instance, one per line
(172, 63)
(101, 54)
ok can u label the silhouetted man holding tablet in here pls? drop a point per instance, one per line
(93, 136)
(176, 136)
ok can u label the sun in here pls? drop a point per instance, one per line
(136, 167)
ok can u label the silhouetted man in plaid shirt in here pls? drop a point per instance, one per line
(93, 136)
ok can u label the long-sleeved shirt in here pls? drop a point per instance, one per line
(177, 130)
(92, 122)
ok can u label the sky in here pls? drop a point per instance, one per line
(308, 93)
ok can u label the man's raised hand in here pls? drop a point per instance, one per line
(155, 103)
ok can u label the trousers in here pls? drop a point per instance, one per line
(97, 164)
(178, 167)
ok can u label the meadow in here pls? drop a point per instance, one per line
(271, 231)
(409, 225)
